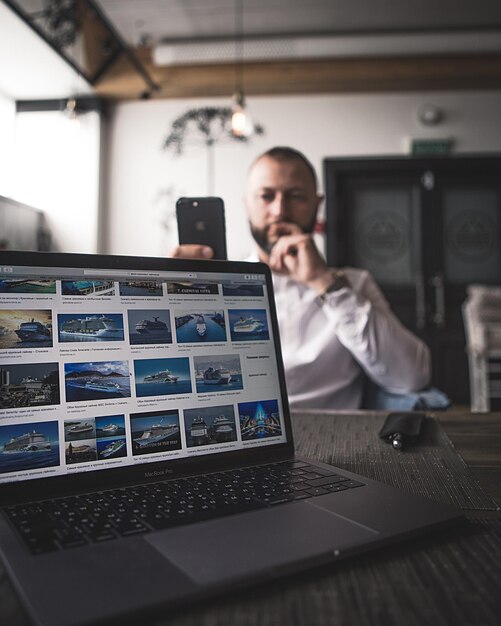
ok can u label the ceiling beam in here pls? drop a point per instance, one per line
(307, 76)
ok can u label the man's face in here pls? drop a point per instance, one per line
(280, 194)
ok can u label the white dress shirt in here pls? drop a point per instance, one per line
(328, 346)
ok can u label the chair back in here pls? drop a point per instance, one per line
(482, 323)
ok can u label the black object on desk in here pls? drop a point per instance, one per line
(402, 428)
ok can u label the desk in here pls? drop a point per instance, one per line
(477, 438)
(449, 578)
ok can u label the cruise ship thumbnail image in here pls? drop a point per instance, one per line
(98, 438)
(27, 285)
(21, 328)
(111, 448)
(76, 430)
(243, 290)
(89, 327)
(162, 377)
(83, 451)
(149, 326)
(29, 385)
(155, 432)
(87, 288)
(141, 288)
(218, 373)
(28, 446)
(191, 288)
(104, 380)
(248, 325)
(259, 420)
(209, 425)
(200, 325)
(110, 426)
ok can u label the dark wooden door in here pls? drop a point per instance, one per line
(425, 229)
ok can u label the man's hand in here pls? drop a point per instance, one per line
(296, 255)
(192, 251)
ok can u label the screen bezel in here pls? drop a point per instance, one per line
(161, 470)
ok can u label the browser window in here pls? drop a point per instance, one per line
(108, 368)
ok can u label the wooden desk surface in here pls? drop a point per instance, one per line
(442, 580)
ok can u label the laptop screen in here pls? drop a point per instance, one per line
(108, 368)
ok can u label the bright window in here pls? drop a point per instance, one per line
(55, 167)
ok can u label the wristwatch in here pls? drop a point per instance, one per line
(339, 281)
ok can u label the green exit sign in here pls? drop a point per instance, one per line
(431, 146)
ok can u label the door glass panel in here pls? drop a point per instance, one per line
(471, 226)
(382, 226)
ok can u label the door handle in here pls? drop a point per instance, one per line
(438, 317)
(420, 302)
(428, 180)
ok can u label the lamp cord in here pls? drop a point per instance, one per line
(239, 47)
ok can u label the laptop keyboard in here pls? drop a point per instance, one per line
(75, 521)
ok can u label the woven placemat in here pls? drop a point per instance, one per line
(449, 579)
(433, 468)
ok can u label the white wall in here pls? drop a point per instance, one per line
(145, 181)
(7, 117)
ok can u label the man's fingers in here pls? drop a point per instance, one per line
(283, 252)
(282, 229)
(297, 256)
(192, 251)
(290, 245)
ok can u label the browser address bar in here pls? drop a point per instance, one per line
(135, 274)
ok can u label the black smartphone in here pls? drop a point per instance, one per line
(201, 221)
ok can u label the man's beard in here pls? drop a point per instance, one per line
(261, 235)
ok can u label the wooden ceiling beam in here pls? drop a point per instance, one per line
(306, 76)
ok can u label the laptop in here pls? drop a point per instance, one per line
(146, 451)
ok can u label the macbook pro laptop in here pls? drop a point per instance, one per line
(146, 452)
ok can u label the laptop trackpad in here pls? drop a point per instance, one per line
(241, 545)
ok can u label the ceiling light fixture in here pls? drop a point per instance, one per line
(430, 114)
(284, 47)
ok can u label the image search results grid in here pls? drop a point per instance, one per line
(104, 372)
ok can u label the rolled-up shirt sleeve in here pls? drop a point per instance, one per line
(390, 354)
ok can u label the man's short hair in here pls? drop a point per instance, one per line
(284, 153)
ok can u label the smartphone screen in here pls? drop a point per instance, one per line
(201, 221)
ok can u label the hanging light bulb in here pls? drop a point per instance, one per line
(72, 112)
(241, 122)
(70, 109)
